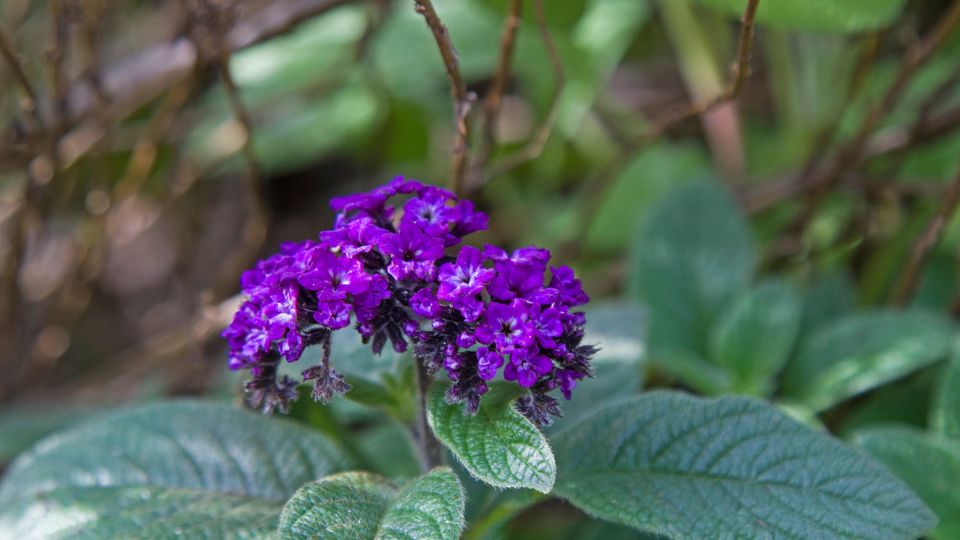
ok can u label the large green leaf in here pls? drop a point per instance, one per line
(825, 15)
(753, 338)
(693, 254)
(95, 513)
(730, 467)
(946, 413)
(863, 351)
(498, 445)
(929, 464)
(223, 463)
(359, 505)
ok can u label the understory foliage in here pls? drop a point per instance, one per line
(742, 324)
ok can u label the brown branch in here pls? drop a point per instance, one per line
(851, 155)
(909, 279)
(56, 56)
(140, 77)
(495, 96)
(462, 100)
(884, 143)
(30, 104)
(740, 73)
(535, 146)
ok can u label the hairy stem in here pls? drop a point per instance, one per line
(428, 447)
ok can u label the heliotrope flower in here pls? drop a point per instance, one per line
(390, 267)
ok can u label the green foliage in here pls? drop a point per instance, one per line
(498, 445)
(754, 336)
(693, 254)
(862, 351)
(821, 15)
(95, 513)
(728, 467)
(227, 468)
(946, 414)
(928, 463)
(358, 505)
(21, 426)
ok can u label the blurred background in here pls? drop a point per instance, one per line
(152, 150)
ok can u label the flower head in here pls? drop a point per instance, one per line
(390, 265)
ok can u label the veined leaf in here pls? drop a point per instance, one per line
(225, 467)
(729, 467)
(358, 505)
(498, 445)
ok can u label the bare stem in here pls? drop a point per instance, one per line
(920, 252)
(462, 100)
(541, 135)
(428, 447)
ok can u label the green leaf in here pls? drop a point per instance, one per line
(753, 338)
(929, 464)
(93, 513)
(359, 505)
(23, 425)
(946, 413)
(730, 467)
(862, 351)
(830, 297)
(498, 445)
(618, 329)
(823, 15)
(224, 459)
(641, 184)
(693, 254)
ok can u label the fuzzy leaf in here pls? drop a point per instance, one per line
(862, 351)
(229, 469)
(359, 505)
(693, 254)
(498, 445)
(730, 467)
(94, 513)
(929, 464)
(753, 338)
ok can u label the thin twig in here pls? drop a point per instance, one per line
(56, 57)
(462, 100)
(428, 447)
(30, 104)
(909, 279)
(851, 155)
(494, 97)
(255, 227)
(740, 73)
(535, 146)
(884, 143)
(595, 191)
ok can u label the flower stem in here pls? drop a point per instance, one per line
(428, 447)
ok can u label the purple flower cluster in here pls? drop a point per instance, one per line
(392, 267)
